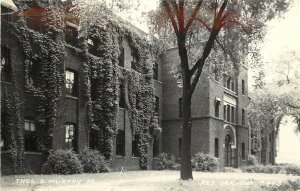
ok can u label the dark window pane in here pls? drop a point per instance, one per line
(156, 147)
(243, 87)
(243, 151)
(30, 136)
(120, 143)
(155, 71)
(156, 107)
(135, 151)
(122, 57)
(217, 108)
(179, 147)
(180, 107)
(122, 102)
(217, 147)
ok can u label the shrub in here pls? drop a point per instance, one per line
(62, 162)
(93, 161)
(204, 162)
(252, 160)
(273, 169)
(167, 162)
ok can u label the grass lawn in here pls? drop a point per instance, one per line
(148, 181)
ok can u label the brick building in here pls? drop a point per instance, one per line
(220, 124)
(71, 130)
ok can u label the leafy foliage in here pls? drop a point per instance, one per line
(93, 161)
(204, 162)
(62, 162)
(274, 169)
(167, 162)
(252, 160)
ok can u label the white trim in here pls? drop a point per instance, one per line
(234, 135)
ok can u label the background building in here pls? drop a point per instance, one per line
(220, 125)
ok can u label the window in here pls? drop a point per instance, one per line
(179, 147)
(243, 87)
(228, 113)
(217, 147)
(224, 111)
(71, 33)
(243, 117)
(134, 60)
(243, 151)
(122, 102)
(135, 151)
(180, 107)
(30, 136)
(156, 107)
(70, 136)
(120, 143)
(155, 71)
(5, 63)
(217, 108)
(232, 115)
(156, 147)
(230, 84)
(270, 137)
(122, 57)
(71, 83)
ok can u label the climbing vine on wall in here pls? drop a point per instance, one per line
(44, 68)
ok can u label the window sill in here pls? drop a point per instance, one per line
(133, 157)
(71, 97)
(120, 157)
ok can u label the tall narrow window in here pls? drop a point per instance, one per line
(217, 108)
(270, 137)
(135, 151)
(120, 143)
(224, 111)
(243, 87)
(232, 85)
(70, 140)
(243, 151)
(122, 57)
(30, 136)
(156, 147)
(228, 113)
(180, 107)
(228, 83)
(243, 117)
(156, 108)
(217, 147)
(5, 63)
(71, 83)
(122, 102)
(155, 71)
(232, 115)
(179, 147)
(134, 59)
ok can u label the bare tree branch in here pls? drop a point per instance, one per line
(194, 14)
(170, 15)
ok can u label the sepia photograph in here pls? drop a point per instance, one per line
(157, 95)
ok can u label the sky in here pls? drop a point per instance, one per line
(284, 35)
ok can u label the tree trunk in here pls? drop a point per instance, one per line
(186, 166)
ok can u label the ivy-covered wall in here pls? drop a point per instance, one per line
(44, 56)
